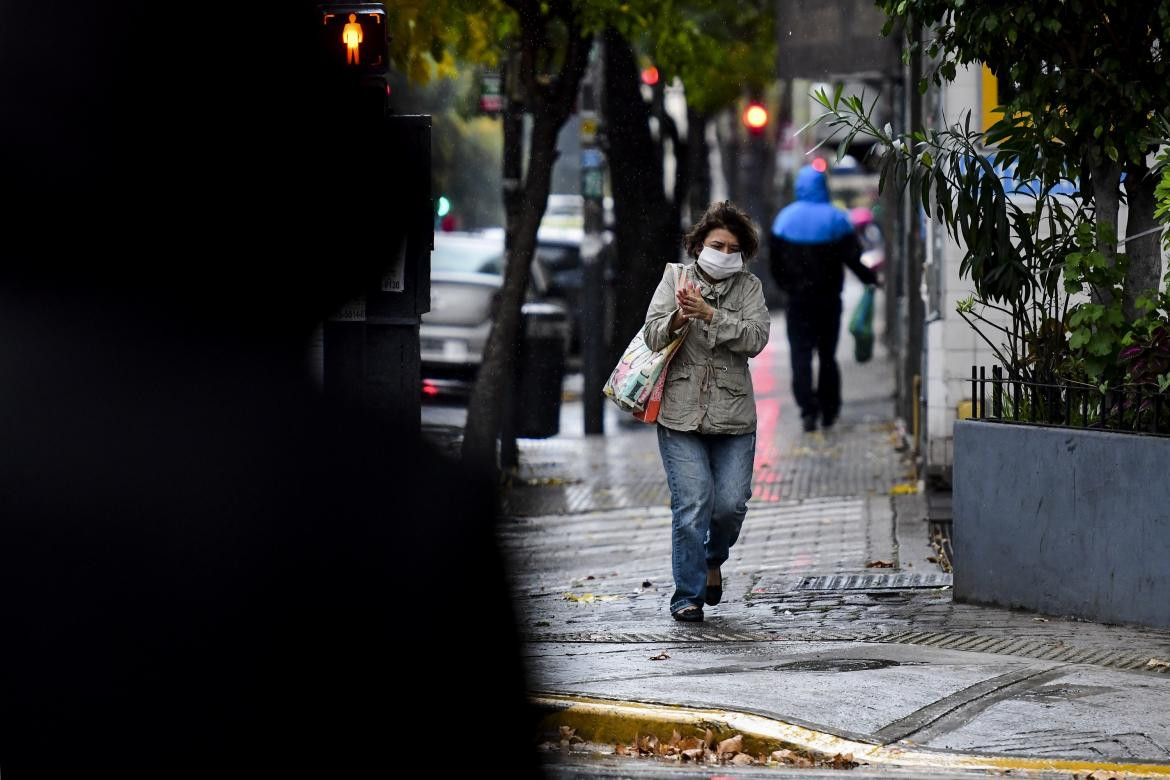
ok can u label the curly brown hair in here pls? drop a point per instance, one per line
(726, 215)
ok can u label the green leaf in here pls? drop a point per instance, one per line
(1094, 367)
(1102, 344)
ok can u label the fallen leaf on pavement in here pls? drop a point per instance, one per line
(543, 481)
(732, 745)
(695, 754)
(709, 738)
(549, 746)
(932, 559)
(844, 761)
(1155, 663)
(661, 657)
(1040, 620)
(590, 598)
(904, 489)
(743, 759)
(880, 565)
(791, 758)
(621, 750)
(590, 577)
(690, 743)
(647, 584)
(567, 732)
(675, 738)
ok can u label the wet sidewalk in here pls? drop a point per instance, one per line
(835, 616)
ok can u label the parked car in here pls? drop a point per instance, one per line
(467, 272)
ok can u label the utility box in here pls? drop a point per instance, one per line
(371, 344)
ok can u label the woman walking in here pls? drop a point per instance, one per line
(707, 423)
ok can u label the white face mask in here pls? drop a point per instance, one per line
(718, 265)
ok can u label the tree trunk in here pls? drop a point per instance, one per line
(525, 204)
(486, 405)
(1106, 181)
(699, 153)
(1145, 253)
(646, 239)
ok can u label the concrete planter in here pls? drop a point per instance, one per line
(1067, 522)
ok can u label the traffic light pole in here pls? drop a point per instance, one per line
(370, 347)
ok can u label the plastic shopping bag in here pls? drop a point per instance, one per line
(861, 326)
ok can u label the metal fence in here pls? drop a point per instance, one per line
(1130, 409)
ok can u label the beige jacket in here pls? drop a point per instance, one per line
(708, 387)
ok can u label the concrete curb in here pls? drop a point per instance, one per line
(609, 721)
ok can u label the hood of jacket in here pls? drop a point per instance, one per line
(812, 186)
(811, 218)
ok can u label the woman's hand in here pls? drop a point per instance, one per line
(691, 304)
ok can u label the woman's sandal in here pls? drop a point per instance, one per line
(691, 614)
(715, 592)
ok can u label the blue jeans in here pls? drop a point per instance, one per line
(710, 479)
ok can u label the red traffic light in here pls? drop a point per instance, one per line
(755, 117)
(650, 76)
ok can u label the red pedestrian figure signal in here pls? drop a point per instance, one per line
(351, 36)
(755, 117)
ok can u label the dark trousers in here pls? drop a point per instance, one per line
(814, 323)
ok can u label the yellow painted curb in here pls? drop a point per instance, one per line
(606, 721)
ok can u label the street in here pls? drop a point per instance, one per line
(810, 633)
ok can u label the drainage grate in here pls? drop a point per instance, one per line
(940, 540)
(898, 581)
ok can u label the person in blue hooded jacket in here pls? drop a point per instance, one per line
(812, 242)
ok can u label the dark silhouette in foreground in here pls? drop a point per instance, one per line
(207, 569)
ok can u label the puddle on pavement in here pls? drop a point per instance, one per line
(837, 665)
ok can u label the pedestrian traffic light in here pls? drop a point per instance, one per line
(353, 36)
(755, 117)
(443, 206)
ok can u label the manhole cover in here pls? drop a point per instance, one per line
(837, 665)
(898, 581)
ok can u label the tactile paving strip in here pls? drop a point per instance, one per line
(976, 643)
